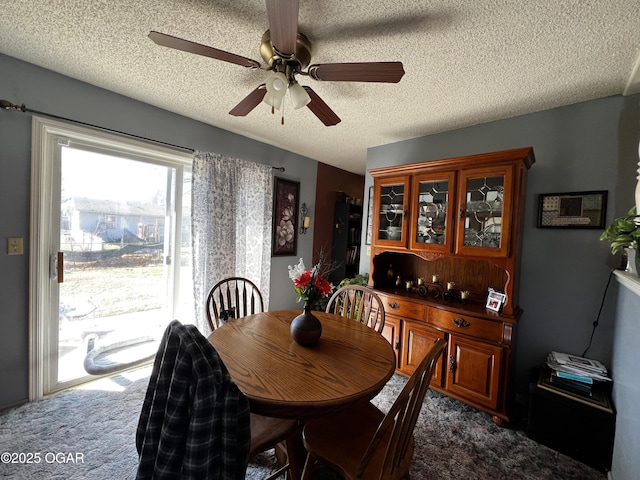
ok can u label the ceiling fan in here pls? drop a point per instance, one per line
(287, 52)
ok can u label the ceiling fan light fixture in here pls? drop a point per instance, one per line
(274, 101)
(299, 96)
(277, 85)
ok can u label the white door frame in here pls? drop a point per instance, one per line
(46, 134)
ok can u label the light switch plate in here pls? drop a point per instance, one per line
(15, 246)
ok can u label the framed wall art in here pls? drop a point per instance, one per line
(572, 209)
(286, 198)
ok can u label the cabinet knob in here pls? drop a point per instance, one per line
(394, 305)
(462, 213)
(397, 344)
(452, 363)
(461, 323)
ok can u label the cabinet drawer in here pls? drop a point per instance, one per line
(474, 326)
(402, 307)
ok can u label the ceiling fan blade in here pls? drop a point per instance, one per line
(283, 24)
(321, 109)
(191, 47)
(385, 72)
(249, 102)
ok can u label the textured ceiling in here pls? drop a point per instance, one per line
(466, 62)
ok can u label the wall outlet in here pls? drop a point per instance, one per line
(15, 246)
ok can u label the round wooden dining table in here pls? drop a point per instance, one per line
(350, 363)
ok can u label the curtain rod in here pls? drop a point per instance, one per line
(7, 105)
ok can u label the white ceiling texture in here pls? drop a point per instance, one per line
(466, 62)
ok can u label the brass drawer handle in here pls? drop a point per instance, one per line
(394, 305)
(461, 323)
(452, 363)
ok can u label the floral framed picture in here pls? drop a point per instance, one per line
(286, 198)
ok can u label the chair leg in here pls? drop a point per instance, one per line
(288, 462)
(309, 467)
(290, 459)
(278, 472)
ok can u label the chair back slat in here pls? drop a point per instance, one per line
(358, 303)
(230, 298)
(240, 309)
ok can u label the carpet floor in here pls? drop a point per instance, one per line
(89, 433)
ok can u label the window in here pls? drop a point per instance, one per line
(121, 215)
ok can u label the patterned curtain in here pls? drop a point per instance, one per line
(231, 203)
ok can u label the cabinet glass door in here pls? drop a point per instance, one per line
(391, 210)
(431, 207)
(485, 212)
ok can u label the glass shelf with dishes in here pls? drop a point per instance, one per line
(432, 211)
(391, 223)
(433, 204)
(483, 211)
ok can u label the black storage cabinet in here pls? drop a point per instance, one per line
(565, 422)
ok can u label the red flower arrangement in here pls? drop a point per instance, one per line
(310, 285)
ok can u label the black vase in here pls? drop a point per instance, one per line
(306, 329)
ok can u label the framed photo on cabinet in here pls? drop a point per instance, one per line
(572, 209)
(495, 300)
(286, 199)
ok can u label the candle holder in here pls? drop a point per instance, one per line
(461, 296)
(433, 289)
(449, 294)
(464, 296)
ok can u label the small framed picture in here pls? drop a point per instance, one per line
(495, 300)
(572, 210)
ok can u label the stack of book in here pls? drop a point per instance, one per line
(576, 374)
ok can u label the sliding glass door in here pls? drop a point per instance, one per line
(118, 246)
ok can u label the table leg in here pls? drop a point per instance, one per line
(296, 453)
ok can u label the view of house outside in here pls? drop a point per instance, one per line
(116, 235)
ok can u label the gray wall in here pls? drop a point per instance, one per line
(588, 146)
(626, 386)
(45, 91)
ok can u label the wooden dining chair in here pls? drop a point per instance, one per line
(364, 443)
(233, 297)
(236, 297)
(267, 433)
(360, 304)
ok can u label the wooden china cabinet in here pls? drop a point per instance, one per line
(452, 226)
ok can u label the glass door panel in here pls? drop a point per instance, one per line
(117, 236)
(485, 209)
(483, 216)
(390, 217)
(431, 209)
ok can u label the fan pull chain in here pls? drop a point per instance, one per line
(282, 121)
